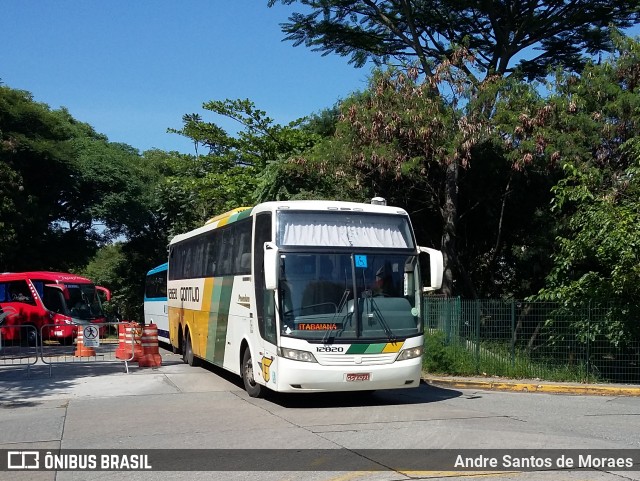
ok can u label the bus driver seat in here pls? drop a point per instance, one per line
(323, 294)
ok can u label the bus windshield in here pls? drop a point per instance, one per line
(346, 296)
(84, 302)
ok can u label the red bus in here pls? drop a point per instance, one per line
(57, 300)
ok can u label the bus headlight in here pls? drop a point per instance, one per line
(410, 353)
(296, 355)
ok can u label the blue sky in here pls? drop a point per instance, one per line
(131, 69)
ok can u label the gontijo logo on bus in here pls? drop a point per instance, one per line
(187, 294)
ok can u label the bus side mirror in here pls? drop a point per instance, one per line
(271, 265)
(436, 264)
(106, 293)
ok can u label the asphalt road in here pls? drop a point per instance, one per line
(179, 407)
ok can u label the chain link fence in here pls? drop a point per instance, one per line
(532, 340)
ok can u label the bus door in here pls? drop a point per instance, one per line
(266, 342)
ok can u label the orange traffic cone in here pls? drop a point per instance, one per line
(81, 350)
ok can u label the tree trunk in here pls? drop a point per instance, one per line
(450, 218)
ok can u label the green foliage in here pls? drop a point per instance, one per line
(451, 162)
(443, 358)
(525, 187)
(47, 198)
(596, 202)
(103, 270)
(66, 191)
(457, 358)
(257, 164)
(505, 37)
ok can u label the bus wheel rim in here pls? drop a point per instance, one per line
(248, 369)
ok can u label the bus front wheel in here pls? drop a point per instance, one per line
(30, 335)
(250, 385)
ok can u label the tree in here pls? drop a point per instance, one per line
(398, 141)
(464, 53)
(66, 192)
(505, 36)
(38, 163)
(254, 165)
(595, 127)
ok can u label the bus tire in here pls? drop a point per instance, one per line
(31, 336)
(250, 385)
(188, 356)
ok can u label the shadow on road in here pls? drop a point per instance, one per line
(20, 384)
(423, 394)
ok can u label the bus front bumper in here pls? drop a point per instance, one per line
(296, 376)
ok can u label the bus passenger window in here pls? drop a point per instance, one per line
(20, 292)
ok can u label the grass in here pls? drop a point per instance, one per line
(466, 358)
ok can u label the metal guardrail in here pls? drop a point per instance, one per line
(15, 349)
(536, 340)
(95, 343)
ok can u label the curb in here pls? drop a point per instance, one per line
(533, 386)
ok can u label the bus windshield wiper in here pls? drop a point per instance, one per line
(341, 304)
(387, 330)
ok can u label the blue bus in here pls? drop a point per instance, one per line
(155, 301)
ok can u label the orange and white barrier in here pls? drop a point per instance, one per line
(151, 354)
(122, 343)
(130, 345)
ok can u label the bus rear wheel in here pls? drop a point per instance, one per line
(250, 385)
(188, 355)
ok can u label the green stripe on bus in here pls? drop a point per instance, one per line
(366, 348)
(219, 319)
(239, 216)
(244, 214)
(375, 348)
(357, 349)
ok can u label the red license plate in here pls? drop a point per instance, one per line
(358, 376)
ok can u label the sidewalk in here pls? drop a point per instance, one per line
(524, 385)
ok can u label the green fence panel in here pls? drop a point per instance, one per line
(533, 340)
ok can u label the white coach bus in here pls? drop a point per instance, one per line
(303, 296)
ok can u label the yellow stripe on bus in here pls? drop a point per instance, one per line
(393, 347)
(206, 295)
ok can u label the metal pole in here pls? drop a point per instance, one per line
(588, 339)
(477, 325)
(513, 333)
